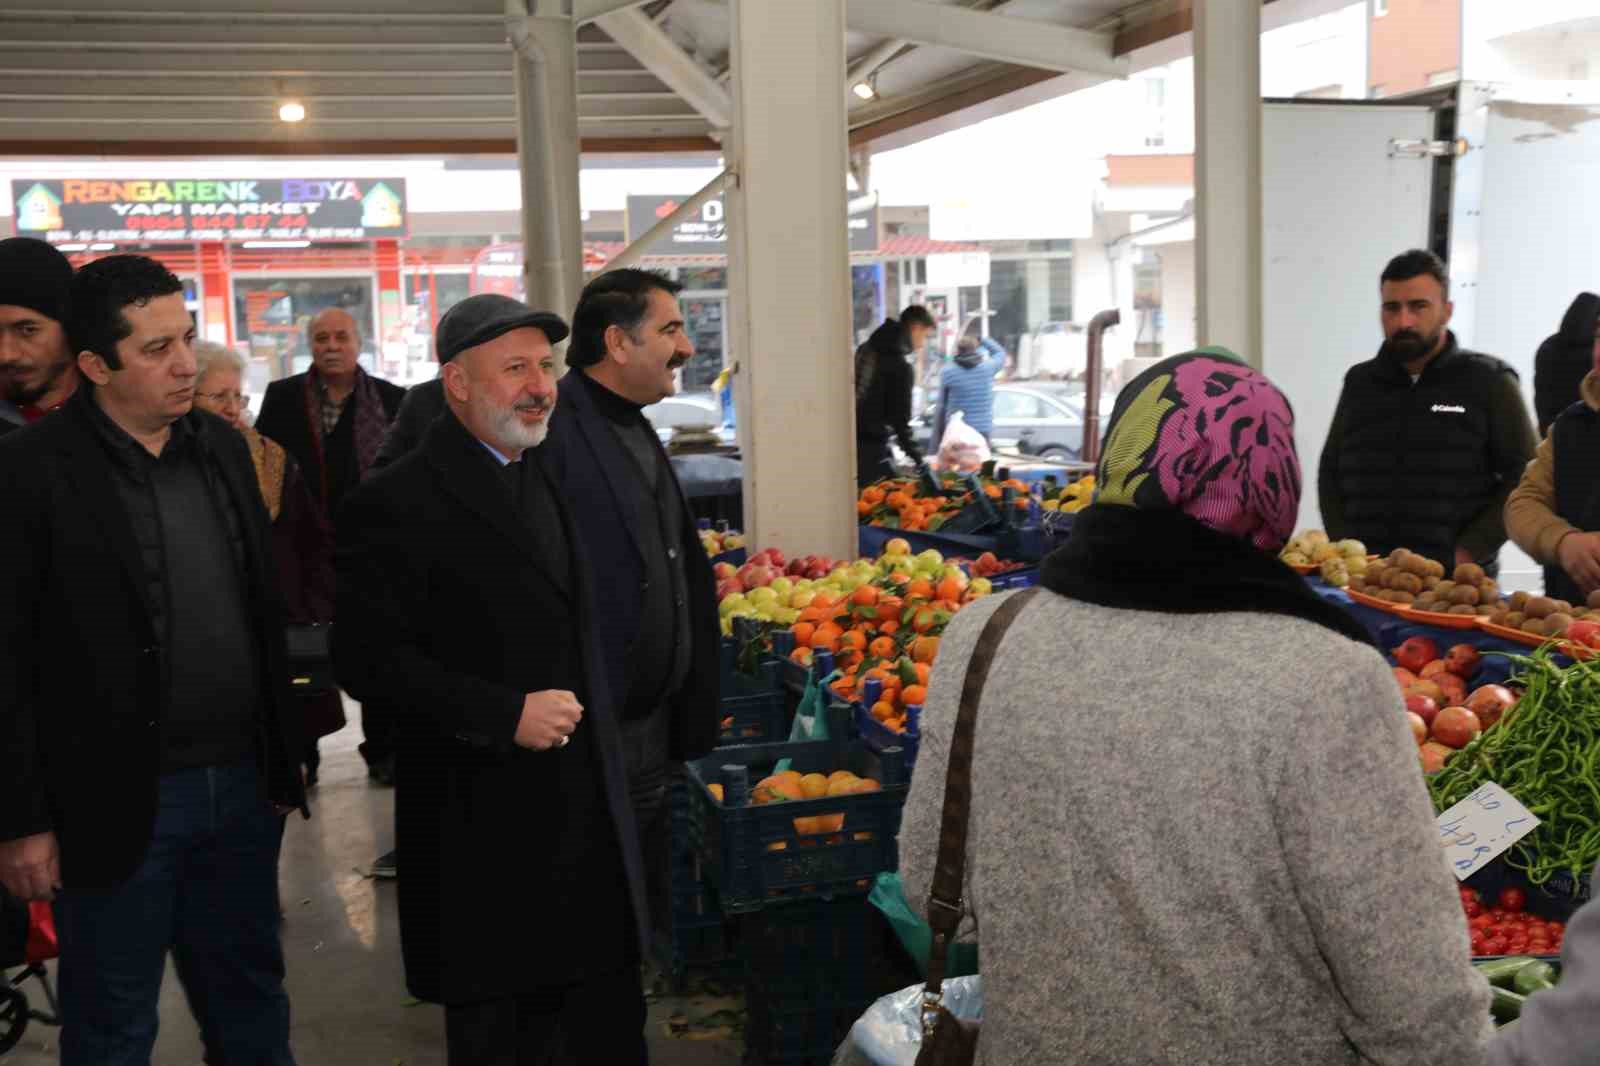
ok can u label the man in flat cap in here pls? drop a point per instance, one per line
(466, 606)
(38, 370)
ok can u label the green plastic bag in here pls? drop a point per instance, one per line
(810, 719)
(889, 897)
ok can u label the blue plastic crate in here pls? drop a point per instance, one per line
(811, 969)
(1025, 578)
(879, 737)
(753, 856)
(758, 719)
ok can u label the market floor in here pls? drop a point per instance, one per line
(342, 938)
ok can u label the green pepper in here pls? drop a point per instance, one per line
(1534, 977)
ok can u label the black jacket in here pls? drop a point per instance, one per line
(521, 867)
(423, 404)
(588, 461)
(284, 419)
(884, 380)
(1564, 359)
(1426, 466)
(80, 656)
(1575, 442)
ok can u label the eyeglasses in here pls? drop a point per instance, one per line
(220, 398)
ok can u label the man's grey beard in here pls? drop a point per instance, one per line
(511, 429)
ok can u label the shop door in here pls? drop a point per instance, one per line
(1337, 204)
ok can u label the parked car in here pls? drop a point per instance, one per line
(688, 411)
(1040, 418)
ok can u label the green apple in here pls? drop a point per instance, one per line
(801, 599)
(761, 597)
(981, 586)
(783, 586)
(733, 604)
(931, 557)
(891, 563)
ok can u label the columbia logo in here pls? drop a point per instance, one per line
(1448, 409)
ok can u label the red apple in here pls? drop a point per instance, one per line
(1455, 727)
(775, 559)
(728, 587)
(1462, 660)
(1419, 728)
(723, 571)
(756, 575)
(1424, 708)
(1416, 653)
(796, 568)
(817, 572)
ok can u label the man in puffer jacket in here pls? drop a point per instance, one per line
(1563, 360)
(883, 392)
(967, 385)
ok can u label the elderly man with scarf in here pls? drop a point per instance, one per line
(333, 417)
(1227, 730)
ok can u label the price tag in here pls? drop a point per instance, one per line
(1482, 826)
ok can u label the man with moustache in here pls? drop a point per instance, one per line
(660, 628)
(37, 369)
(466, 606)
(1428, 439)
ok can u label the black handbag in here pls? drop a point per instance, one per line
(310, 662)
(947, 1040)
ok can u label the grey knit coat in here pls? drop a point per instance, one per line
(1196, 839)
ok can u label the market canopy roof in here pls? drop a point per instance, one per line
(199, 77)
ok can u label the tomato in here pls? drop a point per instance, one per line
(1557, 928)
(1513, 900)
(1482, 921)
(1473, 908)
(1494, 946)
(1468, 894)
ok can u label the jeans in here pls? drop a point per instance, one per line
(207, 890)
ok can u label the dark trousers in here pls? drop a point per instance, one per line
(378, 727)
(645, 746)
(874, 462)
(597, 1023)
(207, 890)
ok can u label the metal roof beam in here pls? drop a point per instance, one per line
(589, 10)
(660, 55)
(1024, 42)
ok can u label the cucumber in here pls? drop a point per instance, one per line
(1506, 1005)
(1534, 977)
(1501, 972)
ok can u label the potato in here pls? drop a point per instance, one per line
(1539, 607)
(1556, 625)
(1416, 564)
(1408, 583)
(1469, 574)
(1465, 594)
(1435, 569)
(1430, 582)
(1398, 556)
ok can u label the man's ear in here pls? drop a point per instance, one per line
(455, 381)
(614, 337)
(1449, 312)
(92, 365)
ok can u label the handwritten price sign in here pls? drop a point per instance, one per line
(1482, 826)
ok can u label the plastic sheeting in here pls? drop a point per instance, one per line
(890, 1033)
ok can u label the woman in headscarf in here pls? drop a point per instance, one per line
(302, 543)
(1198, 832)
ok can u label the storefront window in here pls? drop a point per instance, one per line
(272, 314)
(429, 294)
(703, 277)
(705, 315)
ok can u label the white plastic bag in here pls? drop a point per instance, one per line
(890, 1033)
(963, 448)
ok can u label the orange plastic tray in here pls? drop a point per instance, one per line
(1382, 605)
(1516, 636)
(1444, 621)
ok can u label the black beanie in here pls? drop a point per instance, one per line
(34, 275)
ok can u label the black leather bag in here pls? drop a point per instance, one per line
(946, 1039)
(310, 662)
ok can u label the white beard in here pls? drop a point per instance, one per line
(513, 430)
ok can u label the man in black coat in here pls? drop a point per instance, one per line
(38, 369)
(1564, 360)
(148, 742)
(333, 417)
(661, 632)
(884, 381)
(465, 604)
(1428, 439)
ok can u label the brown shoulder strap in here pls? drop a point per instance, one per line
(945, 903)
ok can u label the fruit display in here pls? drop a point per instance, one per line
(1506, 928)
(1411, 580)
(1544, 750)
(986, 565)
(1069, 499)
(768, 587)
(931, 503)
(1444, 717)
(718, 543)
(1337, 562)
(793, 785)
(1543, 616)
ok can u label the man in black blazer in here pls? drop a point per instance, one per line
(467, 606)
(148, 743)
(661, 628)
(332, 418)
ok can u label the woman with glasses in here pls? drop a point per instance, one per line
(301, 541)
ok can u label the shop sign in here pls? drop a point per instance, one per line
(76, 210)
(706, 233)
(1480, 827)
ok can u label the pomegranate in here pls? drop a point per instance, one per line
(1430, 689)
(1489, 703)
(1415, 653)
(1424, 708)
(1456, 726)
(1433, 670)
(1434, 756)
(1462, 660)
(1455, 689)
(1419, 728)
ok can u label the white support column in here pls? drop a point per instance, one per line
(546, 47)
(1227, 101)
(789, 276)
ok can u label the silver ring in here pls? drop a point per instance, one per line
(563, 742)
